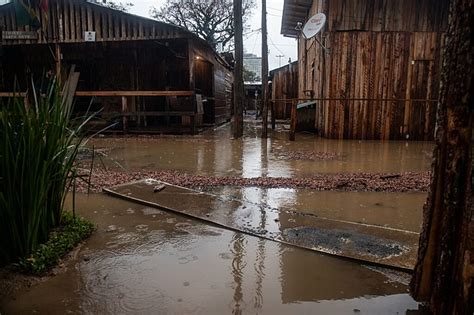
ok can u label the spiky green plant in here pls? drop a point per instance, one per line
(38, 147)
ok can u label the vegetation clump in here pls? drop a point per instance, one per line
(72, 231)
(39, 142)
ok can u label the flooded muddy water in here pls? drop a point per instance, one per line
(214, 154)
(394, 210)
(145, 261)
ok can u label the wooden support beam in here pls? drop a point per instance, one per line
(158, 114)
(293, 121)
(13, 94)
(58, 63)
(124, 111)
(133, 93)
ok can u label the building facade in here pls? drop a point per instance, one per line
(147, 74)
(374, 68)
(254, 64)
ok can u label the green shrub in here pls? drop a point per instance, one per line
(38, 147)
(71, 232)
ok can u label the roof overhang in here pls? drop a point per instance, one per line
(294, 11)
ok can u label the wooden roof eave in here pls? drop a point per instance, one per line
(294, 11)
(169, 31)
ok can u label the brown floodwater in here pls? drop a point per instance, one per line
(366, 242)
(145, 261)
(213, 153)
(393, 210)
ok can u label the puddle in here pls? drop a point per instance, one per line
(165, 271)
(393, 210)
(364, 242)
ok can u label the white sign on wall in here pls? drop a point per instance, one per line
(314, 25)
(89, 36)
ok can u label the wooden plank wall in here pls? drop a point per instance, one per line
(377, 52)
(377, 66)
(222, 84)
(284, 86)
(223, 96)
(68, 20)
(387, 15)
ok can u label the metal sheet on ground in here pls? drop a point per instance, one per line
(368, 243)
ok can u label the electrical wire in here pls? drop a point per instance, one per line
(273, 44)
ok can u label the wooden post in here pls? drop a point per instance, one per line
(124, 111)
(238, 122)
(193, 124)
(444, 273)
(58, 64)
(293, 120)
(264, 71)
(272, 110)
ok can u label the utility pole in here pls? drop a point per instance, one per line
(238, 122)
(279, 59)
(264, 71)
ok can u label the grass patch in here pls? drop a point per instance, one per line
(63, 239)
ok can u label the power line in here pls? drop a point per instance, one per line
(273, 44)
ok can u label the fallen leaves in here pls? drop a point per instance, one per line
(306, 155)
(382, 182)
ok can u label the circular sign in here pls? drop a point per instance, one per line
(314, 25)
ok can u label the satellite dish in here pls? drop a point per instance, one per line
(314, 25)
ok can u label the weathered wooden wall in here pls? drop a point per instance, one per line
(383, 15)
(129, 53)
(384, 54)
(386, 15)
(220, 100)
(284, 86)
(68, 20)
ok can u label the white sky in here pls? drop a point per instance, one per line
(277, 44)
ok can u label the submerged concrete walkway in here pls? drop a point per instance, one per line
(367, 243)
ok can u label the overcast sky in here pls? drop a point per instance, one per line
(277, 44)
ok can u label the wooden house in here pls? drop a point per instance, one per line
(374, 69)
(284, 89)
(145, 74)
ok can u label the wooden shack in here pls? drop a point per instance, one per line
(284, 89)
(374, 70)
(146, 75)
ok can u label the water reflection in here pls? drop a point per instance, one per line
(182, 267)
(238, 266)
(393, 210)
(214, 154)
(154, 262)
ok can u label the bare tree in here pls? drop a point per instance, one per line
(211, 20)
(121, 6)
(444, 273)
(250, 76)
